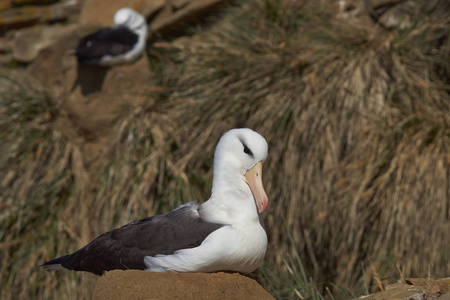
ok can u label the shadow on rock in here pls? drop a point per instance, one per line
(90, 78)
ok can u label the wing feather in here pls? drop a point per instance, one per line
(125, 247)
(108, 41)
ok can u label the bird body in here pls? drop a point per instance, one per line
(224, 233)
(124, 42)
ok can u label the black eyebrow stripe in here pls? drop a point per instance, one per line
(247, 149)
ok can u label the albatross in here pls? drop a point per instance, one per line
(225, 233)
(122, 43)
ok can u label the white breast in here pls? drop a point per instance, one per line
(238, 248)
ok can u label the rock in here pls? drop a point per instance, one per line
(136, 284)
(9, 3)
(415, 289)
(397, 16)
(391, 13)
(151, 8)
(29, 41)
(6, 45)
(397, 292)
(163, 15)
(53, 64)
(177, 12)
(101, 13)
(432, 288)
(16, 17)
(98, 94)
(377, 4)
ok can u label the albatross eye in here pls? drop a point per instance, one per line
(247, 150)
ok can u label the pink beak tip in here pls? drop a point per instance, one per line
(264, 204)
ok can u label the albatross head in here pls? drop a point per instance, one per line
(238, 161)
(130, 18)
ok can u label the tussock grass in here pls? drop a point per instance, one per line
(37, 181)
(356, 115)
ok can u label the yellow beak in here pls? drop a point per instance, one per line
(254, 180)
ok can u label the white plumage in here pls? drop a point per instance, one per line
(241, 244)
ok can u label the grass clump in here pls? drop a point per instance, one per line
(37, 182)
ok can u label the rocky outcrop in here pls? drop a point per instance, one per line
(178, 12)
(17, 14)
(100, 13)
(162, 15)
(33, 25)
(135, 284)
(90, 98)
(414, 289)
(28, 42)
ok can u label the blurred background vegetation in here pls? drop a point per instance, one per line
(356, 114)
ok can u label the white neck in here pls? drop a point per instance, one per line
(141, 31)
(231, 198)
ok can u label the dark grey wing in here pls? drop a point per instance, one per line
(125, 247)
(108, 41)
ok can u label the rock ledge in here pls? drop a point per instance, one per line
(135, 284)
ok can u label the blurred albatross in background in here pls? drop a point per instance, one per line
(224, 233)
(122, 43)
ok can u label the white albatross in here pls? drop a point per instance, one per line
(225, 233)
(122, 43)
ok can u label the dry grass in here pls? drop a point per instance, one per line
(358, 123)
(37, 185)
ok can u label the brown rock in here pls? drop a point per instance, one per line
(17, 17)
(99, 94)
(376, 4)
(53, 64)
(433, 288)
(151, 7)
(5, 4)
(101, 13)
(391, 13)
(135, 284)
(178, 4)
(397, 292)
(29, 41)
(177, 12)
(163, 15)
(30, 2)
(6, 45)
